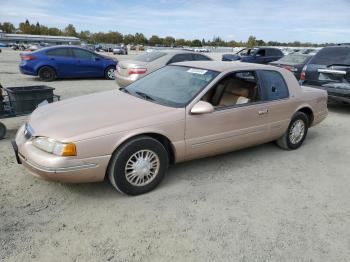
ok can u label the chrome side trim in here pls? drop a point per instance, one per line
(60, 169)
(331, 71)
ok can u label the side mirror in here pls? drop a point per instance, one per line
(202, 107)
(257, 55)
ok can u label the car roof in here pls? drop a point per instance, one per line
(223, 66)
(61, 46)
(173, 51)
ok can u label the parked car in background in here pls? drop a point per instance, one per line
(131, 70)
(120, 50)
(180, 112)
(66, 62)
(293, 62)
(259, 55)
(202, 50)
(329, 70)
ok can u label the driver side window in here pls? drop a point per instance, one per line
(235, 89)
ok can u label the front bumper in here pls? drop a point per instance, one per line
(57, 168)
(26, 69)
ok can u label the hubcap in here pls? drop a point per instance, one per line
(142, 167)
(297, 132)
(110, 73)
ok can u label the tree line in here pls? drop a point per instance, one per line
(114, 37)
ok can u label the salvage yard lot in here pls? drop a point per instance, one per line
(257, 204)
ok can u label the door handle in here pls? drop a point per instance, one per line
(263, 112)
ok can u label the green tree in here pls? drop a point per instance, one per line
(140, 39)
(251, 41)
(54, 31)
(44, 30)
(169, 41)
(85, 36)
(70, 30)
(8, 27)
(25, 27)
(180, 42)
(154, 40)
(129, 39)
(196, 43)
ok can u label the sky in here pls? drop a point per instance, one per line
(316, 21)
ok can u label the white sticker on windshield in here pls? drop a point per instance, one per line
(197, 71)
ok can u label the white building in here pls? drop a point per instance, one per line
(28, 39)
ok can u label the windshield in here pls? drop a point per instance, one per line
(173, 86)
(295, 59)
(149, 57)
(247, 51)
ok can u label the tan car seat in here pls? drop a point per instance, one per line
(234, 94)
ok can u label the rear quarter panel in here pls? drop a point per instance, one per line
(306, 97)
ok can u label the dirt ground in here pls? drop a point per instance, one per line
(257, 204)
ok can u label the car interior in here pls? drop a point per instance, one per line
(235, 89)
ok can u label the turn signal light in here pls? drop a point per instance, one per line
(69, 150)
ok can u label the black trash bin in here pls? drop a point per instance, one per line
(24, 99)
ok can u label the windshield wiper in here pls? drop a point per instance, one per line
(124, 90)
(144, 95)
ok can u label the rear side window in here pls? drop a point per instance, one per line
(274, 52)
(261, 52)
(59, 52)
(274, 86)
(332, 55)
(149, 57)
(181, 58)
(198, 57)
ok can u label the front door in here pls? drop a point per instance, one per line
(88, 64)
(239, 119)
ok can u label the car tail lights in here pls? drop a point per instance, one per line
(303, 74)
(137, 71)
(27, 57)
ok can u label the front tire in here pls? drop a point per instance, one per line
(110, 73)
(47, 74)
(296, 133)
(138, 166)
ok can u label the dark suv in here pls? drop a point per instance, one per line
(259, 55)
(329, 69)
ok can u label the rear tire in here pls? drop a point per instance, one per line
(110, 73)
(138, 166)
(3, 130)
(296, 133)
(47, 74)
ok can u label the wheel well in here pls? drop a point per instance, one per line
(310, 115)
(166, 143)
(37, 72)
(162, 139)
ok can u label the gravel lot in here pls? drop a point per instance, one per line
(258, 204)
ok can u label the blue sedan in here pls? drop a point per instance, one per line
(66, 62)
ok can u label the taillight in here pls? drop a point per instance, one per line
(137, 71)
(303, 74)
(27, 57)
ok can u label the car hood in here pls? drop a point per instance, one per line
(96, 115)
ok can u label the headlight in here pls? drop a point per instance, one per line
(54, 147)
